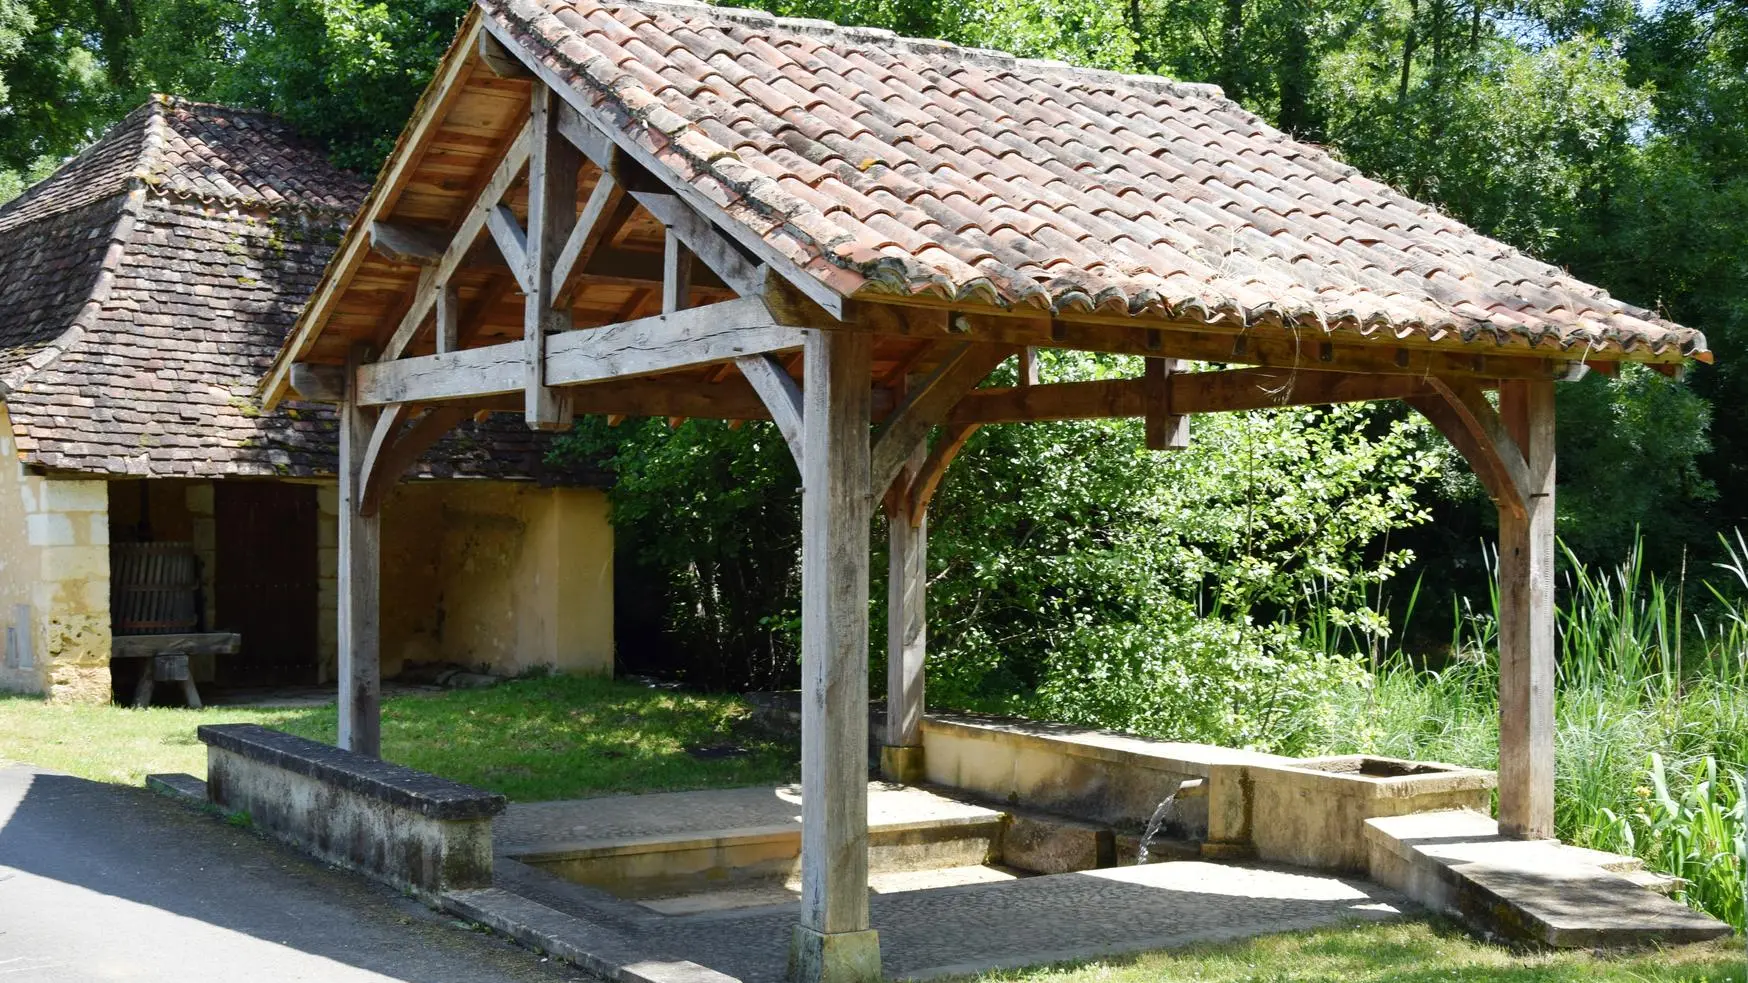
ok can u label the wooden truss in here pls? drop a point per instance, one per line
(874, 401)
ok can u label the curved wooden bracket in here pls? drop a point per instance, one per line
(934, 468)
(393, 448)
(781, 395)
(930, 403)
(1462, 413)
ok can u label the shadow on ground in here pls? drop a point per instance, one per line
(104, 882)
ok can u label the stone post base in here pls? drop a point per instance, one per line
(903, 765)
(836, 957)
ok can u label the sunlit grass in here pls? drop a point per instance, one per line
(531, 739)
(1395, 952)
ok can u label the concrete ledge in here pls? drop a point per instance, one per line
(179, 785)
(404, 788)
(1527, 890)
(416, 832)
(589, 947)
(1087, 774)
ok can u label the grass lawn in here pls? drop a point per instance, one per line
(531, 739)
(1395, 952)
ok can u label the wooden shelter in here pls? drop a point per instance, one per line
(669, 209)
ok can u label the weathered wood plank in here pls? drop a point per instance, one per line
(928, 403)
(472, 224)
(676, 274)
(383, 433)
(422, 129)
(448, 316)
(553, 164)
(1526, 622)
(499, 61)
(512, 242)
(934, 467)
(360, 672)
(406, 244)
(188, 643)
(586, 128)
(696, 336)
(781, 395)
(391, 462)
(906, 610)
(835, 511)
(465, 374)
(603, 214)
(318, 383)
(1165, 430)
(1271, 348)
(1230, 390)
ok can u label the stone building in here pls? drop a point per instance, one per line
(144, 288)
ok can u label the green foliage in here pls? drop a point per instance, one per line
(1079, 577)
(707, 520)
(1651, 727)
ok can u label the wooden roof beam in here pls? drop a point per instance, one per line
(1231, 390)
(1301, 348)
(692, 337)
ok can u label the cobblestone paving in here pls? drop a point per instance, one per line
(524, 827)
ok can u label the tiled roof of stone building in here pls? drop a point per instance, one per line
(889, 165)
(147, 284)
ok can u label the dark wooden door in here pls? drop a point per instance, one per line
(266, 581)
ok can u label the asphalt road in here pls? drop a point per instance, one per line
(102, 882)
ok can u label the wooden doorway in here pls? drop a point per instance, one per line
(265, 581)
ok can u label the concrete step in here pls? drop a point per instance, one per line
(1527, 890)
(662, 846)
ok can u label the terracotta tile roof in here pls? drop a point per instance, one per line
(134, 327)
(885, 165)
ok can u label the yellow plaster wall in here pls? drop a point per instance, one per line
(54, 581)
(500, 576)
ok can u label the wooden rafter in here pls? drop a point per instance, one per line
(436, 276)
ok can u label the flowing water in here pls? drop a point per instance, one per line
(1154, 823)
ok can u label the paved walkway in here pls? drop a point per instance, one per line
(102, 882)
(978, 927)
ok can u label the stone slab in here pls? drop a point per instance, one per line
(1528, 890)
(178, 785)
(428, 795)
(1049, 845)
(611, 822)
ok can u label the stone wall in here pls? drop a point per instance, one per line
(494, 575)
(54, 581)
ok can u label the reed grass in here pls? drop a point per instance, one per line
(1651, 737)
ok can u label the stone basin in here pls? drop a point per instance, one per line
(1312, 812)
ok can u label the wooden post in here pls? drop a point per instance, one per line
(553, 164)
(833, 943)
(360, 672)
(901, 755)
(1165, 432)
(1526, 621)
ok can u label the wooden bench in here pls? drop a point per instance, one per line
(169, 659)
